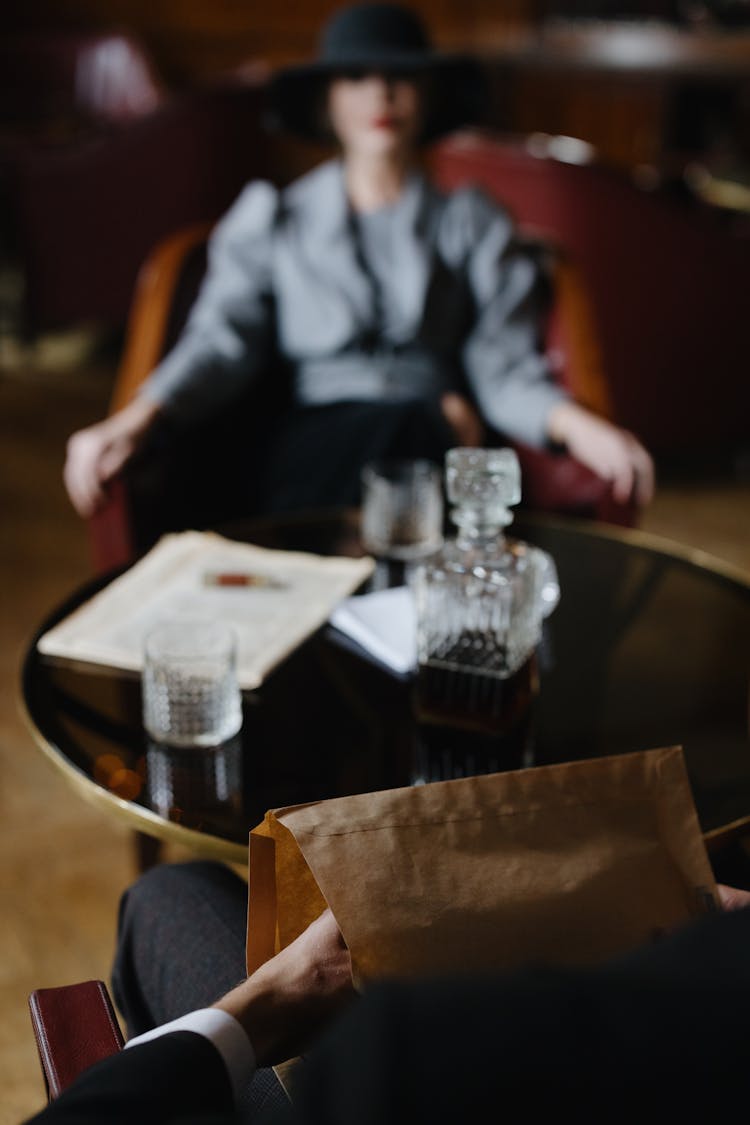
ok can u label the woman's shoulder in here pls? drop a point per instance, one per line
(263, 215)
(323, 178)
(316, 200)
(469, 218)
(261, 205)
(472, 206)
(252, 214)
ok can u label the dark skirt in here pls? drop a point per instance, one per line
(251, 464)
(316, 454)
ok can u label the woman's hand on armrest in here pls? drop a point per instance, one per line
(612, 453)
(732, 898)
(98, 453)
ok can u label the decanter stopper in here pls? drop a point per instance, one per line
(482, 485)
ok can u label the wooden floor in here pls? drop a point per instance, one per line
(64, 864)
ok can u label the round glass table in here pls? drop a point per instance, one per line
(649, 646)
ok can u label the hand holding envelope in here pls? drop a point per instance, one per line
(566, 864)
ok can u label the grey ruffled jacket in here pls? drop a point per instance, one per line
(285, 273)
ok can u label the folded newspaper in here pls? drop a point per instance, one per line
(274, 600)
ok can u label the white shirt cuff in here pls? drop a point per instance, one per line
(224, 1032)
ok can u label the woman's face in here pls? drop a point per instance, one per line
(375, 115)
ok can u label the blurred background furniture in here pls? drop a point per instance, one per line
(651, 83)
(99, 160)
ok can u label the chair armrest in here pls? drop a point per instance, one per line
(572, 341)
(166, 285)
(75, 1026)
(110, 528)
(156, 292)
(556, 482)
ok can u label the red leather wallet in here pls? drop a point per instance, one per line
(75, 1026)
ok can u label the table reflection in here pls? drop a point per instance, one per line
(199, 787)
(646, 649)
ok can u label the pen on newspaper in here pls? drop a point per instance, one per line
(240, 578)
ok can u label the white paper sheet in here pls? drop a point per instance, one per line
(170, 582)
(384, 623)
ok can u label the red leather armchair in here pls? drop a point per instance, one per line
(666, 279)
(98, 161)
(75, 1026)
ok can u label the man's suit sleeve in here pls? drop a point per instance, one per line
(179, 1077)
(656, 1037)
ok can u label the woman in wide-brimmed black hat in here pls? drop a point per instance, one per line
(409, 318)
(384, 39)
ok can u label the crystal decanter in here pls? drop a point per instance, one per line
(481, 602)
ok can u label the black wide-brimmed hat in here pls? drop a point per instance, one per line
(382, 39)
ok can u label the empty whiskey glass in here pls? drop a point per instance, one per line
(190, 691)
(402, 508)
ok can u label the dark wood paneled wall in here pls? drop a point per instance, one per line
(628, 118)
(194, 39)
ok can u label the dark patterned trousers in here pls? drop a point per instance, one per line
(181, 945)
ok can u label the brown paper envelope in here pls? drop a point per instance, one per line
(566, 863)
